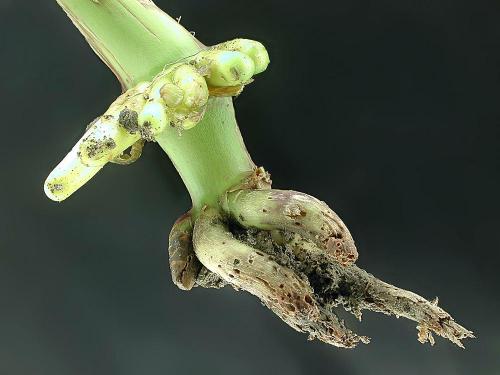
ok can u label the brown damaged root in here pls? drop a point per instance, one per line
(187, 271)
(290, 270)
(355, 289)
(293, 211)
(184, 265)
(286, 293)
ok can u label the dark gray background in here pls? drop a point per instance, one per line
(387, 110)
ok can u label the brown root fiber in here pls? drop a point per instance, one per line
(286, 292)
(298, 282)
(296, 212)
(134, 153)
(184, 265)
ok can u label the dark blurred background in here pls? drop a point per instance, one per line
(387, 110)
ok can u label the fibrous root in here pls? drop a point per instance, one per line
(296, 255)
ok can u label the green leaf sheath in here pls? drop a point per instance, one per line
(134, 38)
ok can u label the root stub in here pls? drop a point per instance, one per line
(285, 271)
(184, 265)
(356, 290)
(296, 212)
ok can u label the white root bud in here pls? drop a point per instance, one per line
(69, 175)
(152, 120)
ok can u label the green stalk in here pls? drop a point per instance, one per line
(211, 158)
(136, 40)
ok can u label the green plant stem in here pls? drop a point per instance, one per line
(211, 157)
(136, 40)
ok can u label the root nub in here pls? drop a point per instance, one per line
(184, 265)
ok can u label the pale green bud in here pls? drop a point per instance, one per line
(171, 95)
(226, 68)
(158, 82)
(153, 120)
(253, 49)
(193, 86)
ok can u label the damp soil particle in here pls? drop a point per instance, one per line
(207, 279)
(147, 132)
(129, 120)
(55, 187)
(95, 148)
